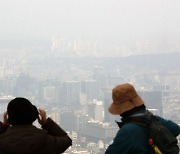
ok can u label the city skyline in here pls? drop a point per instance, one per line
(66, 56)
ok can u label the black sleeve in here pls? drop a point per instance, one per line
(53, 129)
(3, 127)
(58, 140)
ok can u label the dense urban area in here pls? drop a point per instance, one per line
(72, 79)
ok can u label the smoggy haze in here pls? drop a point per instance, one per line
(97, 19)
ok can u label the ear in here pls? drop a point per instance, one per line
(6, 118)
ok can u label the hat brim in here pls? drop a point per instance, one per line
(125, 106)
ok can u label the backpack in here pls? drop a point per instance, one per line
(161, 140)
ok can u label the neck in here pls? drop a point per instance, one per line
(132, 111)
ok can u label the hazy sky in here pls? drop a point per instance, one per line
(106, 19)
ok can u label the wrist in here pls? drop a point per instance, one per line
(46, 123)
(5, 124)
(43, 122)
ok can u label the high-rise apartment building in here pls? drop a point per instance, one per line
(49, 93)
(95, 110)
(91, 89)
(70, 93)
(100, 131)
(67, 120)
(107, 101)
(153, 100)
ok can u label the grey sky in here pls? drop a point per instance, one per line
(106, 19)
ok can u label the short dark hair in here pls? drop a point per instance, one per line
(21, 111)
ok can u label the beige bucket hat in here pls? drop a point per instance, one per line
(124, 98)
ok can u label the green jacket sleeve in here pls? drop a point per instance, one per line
(129, 140)
(172, 126)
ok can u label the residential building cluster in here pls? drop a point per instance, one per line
(76, 92)
(65, 46)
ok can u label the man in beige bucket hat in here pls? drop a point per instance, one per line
(124, 98)
(132, 138)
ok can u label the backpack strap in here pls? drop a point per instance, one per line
(139, 121)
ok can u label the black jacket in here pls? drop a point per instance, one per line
(28, 139)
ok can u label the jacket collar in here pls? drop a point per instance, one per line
(141, 113)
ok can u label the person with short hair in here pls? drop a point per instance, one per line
(132, 138)
(18, 135)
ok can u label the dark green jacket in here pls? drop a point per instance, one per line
(133, 139)
(27, 139)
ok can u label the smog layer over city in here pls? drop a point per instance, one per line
(66, 56)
